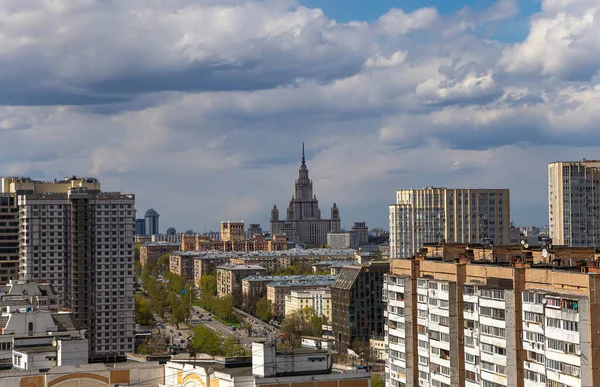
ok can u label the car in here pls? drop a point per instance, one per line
(178, 333)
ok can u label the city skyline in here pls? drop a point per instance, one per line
(200, 113)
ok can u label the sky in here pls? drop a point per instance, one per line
(200, 107)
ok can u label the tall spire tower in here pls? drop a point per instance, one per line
(303, 222)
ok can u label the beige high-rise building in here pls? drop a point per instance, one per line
(444, 214)
(232, 231)
(452, 320)
(574, 202)
(9, 238)
(80, 239)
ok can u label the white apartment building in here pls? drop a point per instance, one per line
(574, 202)
(80, 240)
(317, 299)
(452, 330)
(431, 214)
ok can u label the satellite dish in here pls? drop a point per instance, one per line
(526, 245)
(54, 343)
(522, 241)
(545, 253)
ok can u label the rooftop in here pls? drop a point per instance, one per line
(36, 349)
(234, 267)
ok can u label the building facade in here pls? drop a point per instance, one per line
(232, 231)
(258, 243)
(452, 215)
(253, 230)
(151, 217)
(140, 227)
(150, 252)
(467, 322)
(343, 240)
(573, 202)
(80, 240)
(303, 220)
(229, 279)
(362, 230)
(317, 299)
(357, 303)
(9, 237)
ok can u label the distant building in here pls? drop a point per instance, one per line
(303, 220)
(378, 349)
(317, 299)
(357, 303)
(229, 279)
(343, 240)
(333, 266)
(9, 237)
(258, 243)
(39, 296)
(447, 215)
(171, 238)
(140, 227)
(376, 232)
(151, 218)
(363, 232)
(254, 230)
(574, 203)
(278, 290)
(150, 252)
(232, 231)
(530, 230)
(171, 231)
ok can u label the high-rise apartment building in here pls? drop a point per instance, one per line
(362, 230)
(451, 215)
(232, 231)
(574, 202)
(357, 311)
(462, 322)
(80, 240)
(151, 217)
(140, 227)
(9, 238)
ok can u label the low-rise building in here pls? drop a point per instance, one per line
(19, 293)
(150, 252)
(331, 266)
(229, 279)
(317, 299)
(283, 286)
(378, 350)
(268, 367)
(343, 240)
(257, 243)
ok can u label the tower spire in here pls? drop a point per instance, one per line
(303, 160)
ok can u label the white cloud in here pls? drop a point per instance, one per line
(203, 104)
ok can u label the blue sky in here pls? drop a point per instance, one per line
(346, 10)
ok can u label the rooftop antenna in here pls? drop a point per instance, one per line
(303, 160)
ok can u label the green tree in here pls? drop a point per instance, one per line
(248, 328)
(205, 340)
(377, 380)
(301, 323)
(222, 307)
(143, 310)
(232, 347)
(264, 308)
(208, 284)
(163, 263)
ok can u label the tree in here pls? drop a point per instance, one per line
(163, 262)
(362, 349)
(232, 347)
(248, 328)
(264, 308)
(205, 340)
(222, 307)
(143, 311)
(377, 380)
(301, 323)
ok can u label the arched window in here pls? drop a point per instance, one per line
(30, 329)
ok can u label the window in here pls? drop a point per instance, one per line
(472, 359)
(563, 346)
(488, 366)
(492, 293)
(433, 285)
(571, 325)
(552, 322)
(498, 314)
(534, 317)
(553, 302)
(535, 357)
(570, 304)
(493, 331)
(533, 298)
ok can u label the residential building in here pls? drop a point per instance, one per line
(332, 266)
(9, 237)
(530, 230)
(343, 240)
(303, 220)
(182, 265)
(206, 264)
(457, 316)
(363, 232)
(376, 232)
(279, 288)
(170, 238)
(140, 227)
(79, 239)
(151, 217)
(357, 303)
(378, 349)
(451, 215)
(232, 231)
(258, 243)
(171, 231)
(229, 279)
(573, 203)
(268, 367)
(317, 299)
(142, 239)
(254, 230)
(150, 252)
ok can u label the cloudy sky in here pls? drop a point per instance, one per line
(200, 106)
